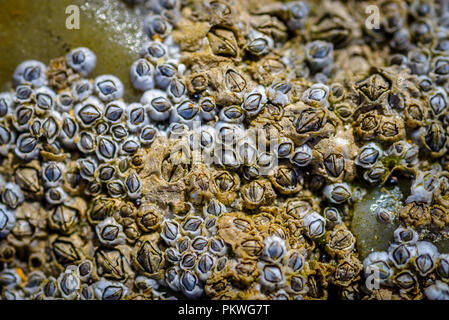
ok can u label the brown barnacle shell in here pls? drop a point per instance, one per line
(243, 272)
(234, 226)
(434, 138)
(333, 158)
(66, 250)
(66, 216)
(439, 215)
(347, 271)
(257, 193)
(415, 214)
(30, 224)
(249, 247)
(7, 252)
(224, 185)
(340, 241)
(366, 125)
(286, 180)
(333, 24)
(223, 42)
(303, 123)
(262, 221)
(28, 177)
(113, 263)
(271, 26)
(268, 69)
(391, 129)
(415, 113)
(217, 284)
(198, 184)
(60, 75)
(374, 88)
(148, 257)
(101, 207)
(149, 218)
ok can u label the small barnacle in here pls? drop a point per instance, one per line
(165, 71)
(234, 81)
(347, 271)
(69, 283)
(271, 276)
(314, 224)
(204, 266)
(401, 254)
(223, 42)
(108, 88)
(340, 241)
(369, 154)
(109, 232)
(64, 218)
(141, 75)
(27, 147)
(30, 72)
(302, 156)
(156, 25)
(426, 257)
(434, 139)
(109, 290)
(192, 226)
(405, 280)
(170, 232)
(338, 192)
(153, 51)
(7, 220)
(437, 291)
(12, 195)
(274, 249)
(378, 261)
(190, 285)
(82, 89)
(81, 60)
(319, 55)
(286, 180)
(257, 193)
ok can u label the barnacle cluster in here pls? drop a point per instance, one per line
(261, 127)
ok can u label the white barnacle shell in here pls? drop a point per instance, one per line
(190, 285)
(69, 282)
(274, 248)
(337, 192)
(272, 276)
(369, 155)
(315, 224)
(110, 233)
(82, 60)
(141, 74)
(109, 290)
(437, 291)
(12, 195)
(30, 72)
(421, 190)
(254, 101)
(405, 235)
(108, 87)
(376, 264)
(426, 257)
(317, 94)
(401, 254)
